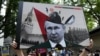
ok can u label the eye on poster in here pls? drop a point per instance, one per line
(32, 16)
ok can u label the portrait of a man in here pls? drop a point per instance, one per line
(55, 30)
(55, 33)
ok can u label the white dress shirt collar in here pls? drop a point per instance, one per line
(62, 43)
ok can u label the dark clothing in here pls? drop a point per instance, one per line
(47, 45)
(96, 55)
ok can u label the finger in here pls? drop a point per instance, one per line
(30, 54)
(91, 44)
(91, 41)
(14, 44)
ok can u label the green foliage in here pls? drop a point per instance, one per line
(91, 10)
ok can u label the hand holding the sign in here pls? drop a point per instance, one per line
(91, 44)
(19, 52)
(14, 44)
(86, 50)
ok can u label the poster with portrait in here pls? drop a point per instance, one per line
(31, 18)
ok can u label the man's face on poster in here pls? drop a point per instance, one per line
(55, 32)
